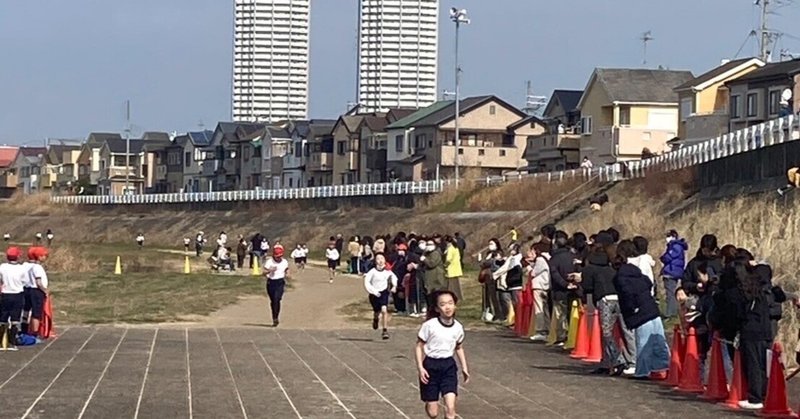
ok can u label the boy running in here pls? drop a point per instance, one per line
(333, 260)
(439, 339)
(13, 277)
(276, 269)
(297, 255)
(379, 282)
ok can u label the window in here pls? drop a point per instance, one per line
(481, 152)
(625, 115)
(736, 106)
(340, 148)
(687, 107)
(774, 102)
(502, 153)
(188, 159)
(752, 104)
(492, 109)
(420, 141)
(586, 125)
(460, 151)
(398, 143)
(298, 152)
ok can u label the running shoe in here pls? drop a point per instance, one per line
(385, 335)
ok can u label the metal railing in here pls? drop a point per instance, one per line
(337, 191)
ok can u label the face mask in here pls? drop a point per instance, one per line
(492, 247)
(422, 246)
(670, 239)
(431, 247)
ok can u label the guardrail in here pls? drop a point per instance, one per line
(372, 189)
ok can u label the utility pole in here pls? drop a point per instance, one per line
(458, 16)
(127, 145)
(646, 37)
(764, 35)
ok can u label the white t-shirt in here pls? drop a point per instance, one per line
(645, 263)
(223, 238)
(280, 268)
(31, 283)
(139, 238)
(264, 245)
(297, 253)
(376, 281)
(37, 271)
(305, 252)
(332, 254)
(440, 340)
(14, 277)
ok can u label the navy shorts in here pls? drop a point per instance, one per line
(34, 302)
(379, 302)
(442, 378)
(11, 306)
(332, 264)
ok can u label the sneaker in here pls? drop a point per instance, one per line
(375, 323)
(560, 344)
(330, 281)
(781, 192)
(12, 348)
(275, 322)
(629, 371)
(414, 315)
(539, 338)
(745, 404)
(385, 335)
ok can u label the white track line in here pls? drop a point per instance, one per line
(522, 396)
(146, 371)
(321, 381)
(64, 368)
(188, 373)
(230, 372)
(275, 377)
(357, 375)
(25, 365)
(103, 374)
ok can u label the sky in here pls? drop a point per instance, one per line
(67, 68)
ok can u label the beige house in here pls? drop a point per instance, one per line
(28, 165)
(347, 148)
(704, 100)
(625, 112)
(8, 175)
(422, 145)
(558, 147)
(757, 96)
(89, 160)
(122, 172)
(319, 165)
(60, 171)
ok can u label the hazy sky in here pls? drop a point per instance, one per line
(67, 67)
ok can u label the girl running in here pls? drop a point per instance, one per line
(439, 339)
(379, 282)
(333, 260)
(304, 259)
(276, 270)
(297, 255)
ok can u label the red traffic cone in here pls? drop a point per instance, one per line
(596, 342)
(717, 388)
(676, 358)
(777, 403)
(691, 381)
(739, 384)
(582, 342)
(46, 325)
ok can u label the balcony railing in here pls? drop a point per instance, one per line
(119, 172)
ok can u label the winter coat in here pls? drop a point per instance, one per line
(691, 277)
(434, 271)
(453, 263)
(354, 248)
(674, 259)
(540, 274)
(597, 277)
(636, 304)
(509, 276)
(379, 246)
(561, 265)
(753, 315)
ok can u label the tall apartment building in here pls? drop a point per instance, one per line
(398, 46)
(270, 60)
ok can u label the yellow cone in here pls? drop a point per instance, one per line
(572, 334)
(511, 315)
(3, 330)
(553, 335)
(256, 269)
(187, 268)
(118, 267)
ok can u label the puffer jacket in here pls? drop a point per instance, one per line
(434, 271)
(633, 289)
(597, 277)
(674, 259)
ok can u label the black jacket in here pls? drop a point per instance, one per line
(753, 314)
(560, 267)
(598, 276)
(691, 277)
(633, 288)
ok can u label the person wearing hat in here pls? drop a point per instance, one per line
(276, 269)
(674, 260)
(13, 277)
(36, 289)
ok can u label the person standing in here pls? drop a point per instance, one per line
(674, 260)
(434, 270)
(332, 255)
(453, 268)
(461, 244)
(354, 248)
(241, 251)
(276, 269)
(13, 277)
(49, 236)
(140, 240)
(379, 282)
(38, 290)
(540, 285)
(199, 242)
(562, 266)
(339, 247)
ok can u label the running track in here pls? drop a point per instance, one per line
(171, 372)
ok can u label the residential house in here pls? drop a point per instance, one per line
(625, 111)
(422, 145)
(246, 147)
(756, 97)
(89, 160)
(27, 165)
(319, 165)
(216, 156)
(558, 146)
(154, 153)
(295, 162)
(8, 174)
(277, 143)
(703, 111)
(347, 142)
(373, 144)
(186, 175)
(122, 167)
(59, 168)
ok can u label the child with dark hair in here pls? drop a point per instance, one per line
(380, 282)
(439, 342)
(643, 261)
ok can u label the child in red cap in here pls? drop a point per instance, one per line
(36, 289)
(13, 277)
(276, 269)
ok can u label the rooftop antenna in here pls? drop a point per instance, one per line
(533, 104)
(767, 38)
(646, 37)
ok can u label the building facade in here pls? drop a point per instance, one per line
(270, 60)
(398, 47)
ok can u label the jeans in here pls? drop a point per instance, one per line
(354, 265)
(275, 289)
(613, 354)
(754, 363)
(652, 351)
(670, 286)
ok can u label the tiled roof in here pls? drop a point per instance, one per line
(783, 68)
(641, 85)
(713, 73)
(412, 119)
(7, 155)
(119, 145)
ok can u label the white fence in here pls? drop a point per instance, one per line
(763, 135)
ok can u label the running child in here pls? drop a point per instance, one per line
(276, 269)
(304, 260)
(13, 277)
(140, 240)
(186, 242)
(379, 282)
(297, 255)
(333, 260)
(37, 291)
(440, 339)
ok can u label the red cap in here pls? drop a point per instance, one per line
(13, 253)
(36, 252)
(277, 251)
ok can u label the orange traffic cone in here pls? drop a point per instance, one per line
(739, 384)
(676, 358)
(717, 388)
(776, 403)
(596, 342)
(519, 320)
(691, 381)
(46, 325)
(582, 342)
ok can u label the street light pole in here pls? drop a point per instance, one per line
(127, 145)
(458, 16)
